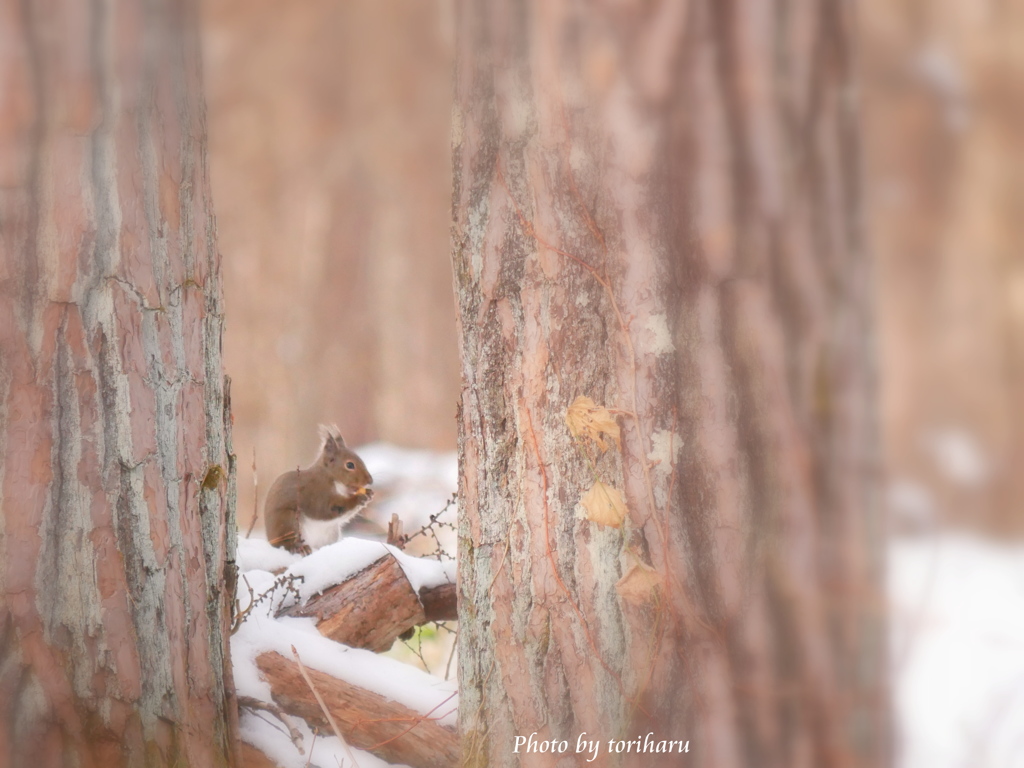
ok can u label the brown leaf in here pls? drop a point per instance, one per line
(586, 418)
(639, 585)
(604, 505)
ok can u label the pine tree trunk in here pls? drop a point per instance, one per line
(115, 455)
(656, 206)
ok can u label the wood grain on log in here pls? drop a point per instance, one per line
(369, 610)
(376, 605)
(368, 720)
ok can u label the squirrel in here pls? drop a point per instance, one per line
(310, 506)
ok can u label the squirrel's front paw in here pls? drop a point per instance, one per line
(364, 496)
(302, 548)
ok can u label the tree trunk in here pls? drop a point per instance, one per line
(656, 206)
(117, 522)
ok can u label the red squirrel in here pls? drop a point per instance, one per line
(310, 506)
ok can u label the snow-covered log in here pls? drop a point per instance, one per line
(366, 719)
(368, 610)
(374, 606)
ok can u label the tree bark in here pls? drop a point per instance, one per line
(656, 206)
(118, 523)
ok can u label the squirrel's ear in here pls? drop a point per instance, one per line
(331, 438)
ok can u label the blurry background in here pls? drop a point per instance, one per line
(329, 152)
(943, 114)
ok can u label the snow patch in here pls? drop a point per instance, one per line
(264, 732)
(259, 554)
(911, 506)
(661, 343)
(958, 456)
(958, 651)
(665, 446)
(335, 563)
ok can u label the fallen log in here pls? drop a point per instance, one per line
(373, 607)
(440, 603)
(367, 720)
(252, 757)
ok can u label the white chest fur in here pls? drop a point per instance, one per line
(320, 533)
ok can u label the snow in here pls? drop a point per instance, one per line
(269, 736)
(423, 573)
(413, 484)
(911, 506)
(259, 554)
(336, 562)
(957, 610)
(958, 456)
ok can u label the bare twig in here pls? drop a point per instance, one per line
(396, 537)
(311, 748)
(323, 707)
(255, 495)
(430, 529)
(241, 616)
(455, 646)
(267, 706)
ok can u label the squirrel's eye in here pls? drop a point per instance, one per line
(351, 465)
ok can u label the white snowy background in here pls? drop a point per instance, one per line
(956, 623)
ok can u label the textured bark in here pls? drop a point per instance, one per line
(656, 206)
(366, 719)
(117, 523)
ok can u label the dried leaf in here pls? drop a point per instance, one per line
(213, 477)
(588, 419)
(604, 505)
(639, 585)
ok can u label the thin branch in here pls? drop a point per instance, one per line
(323, 707)
(257, 705)
(255, 495)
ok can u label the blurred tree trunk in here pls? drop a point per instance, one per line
(944, 139)
(117, 523)
(329, 131)
(656, 206)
